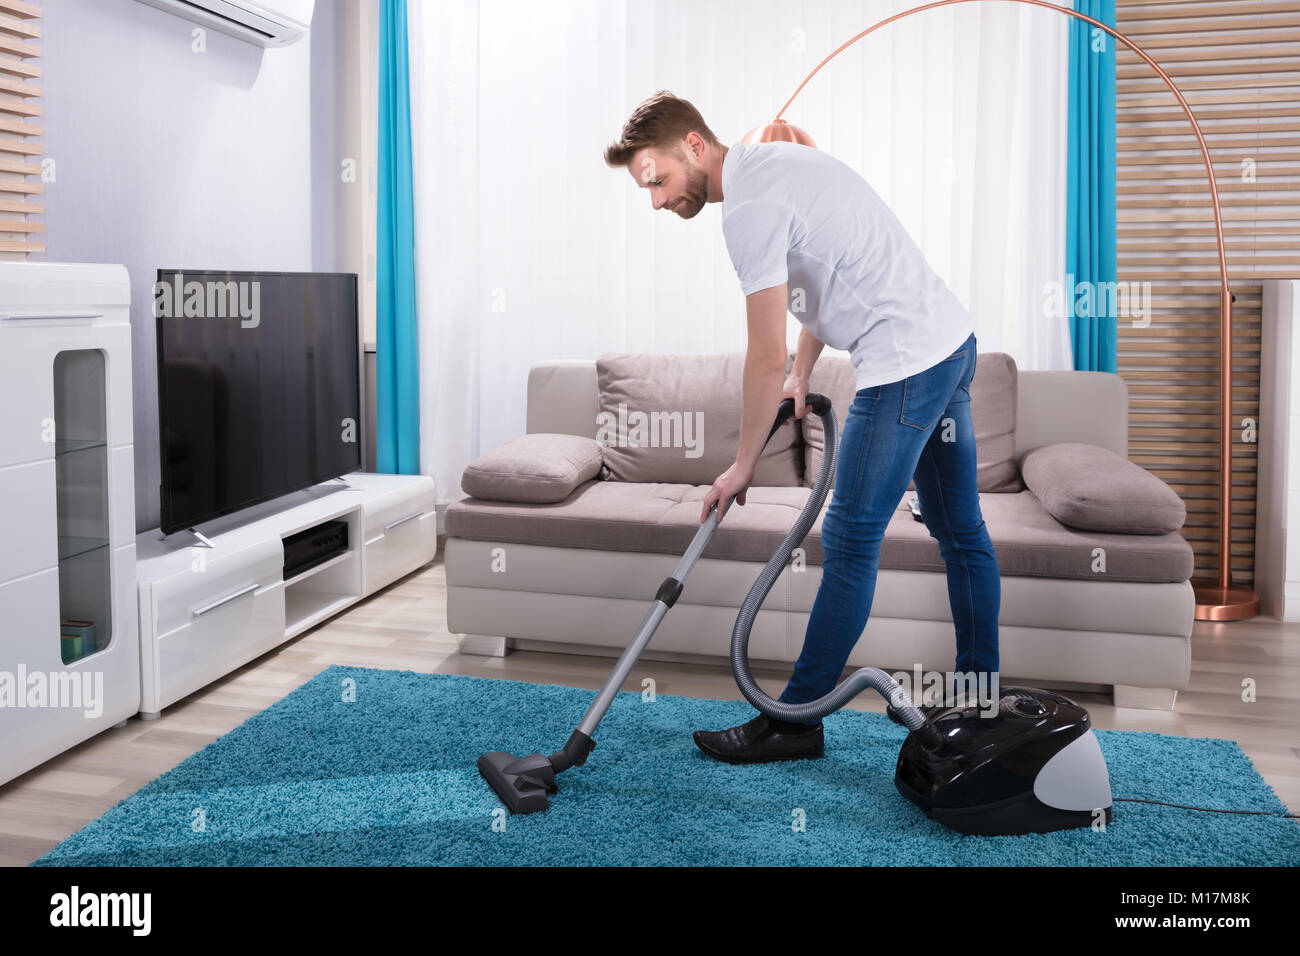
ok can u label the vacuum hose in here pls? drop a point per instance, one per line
(859, 680)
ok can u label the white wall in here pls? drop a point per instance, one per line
(170, 158)
(1277, 552)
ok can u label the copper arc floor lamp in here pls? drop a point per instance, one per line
(1218, 601)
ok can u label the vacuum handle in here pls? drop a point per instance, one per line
(819, 403)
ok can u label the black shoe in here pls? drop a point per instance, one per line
(760, 742)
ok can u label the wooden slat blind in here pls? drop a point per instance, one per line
(1238, 65)
(20, 154)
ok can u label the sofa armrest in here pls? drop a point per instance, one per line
(1093, 489)
(536, 469)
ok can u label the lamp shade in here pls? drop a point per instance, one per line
(778, 131)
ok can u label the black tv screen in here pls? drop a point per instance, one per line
(258, 386)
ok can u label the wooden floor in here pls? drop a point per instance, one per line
(404, 628)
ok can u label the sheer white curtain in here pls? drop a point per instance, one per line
(529, 248)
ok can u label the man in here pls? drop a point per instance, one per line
(808, 234)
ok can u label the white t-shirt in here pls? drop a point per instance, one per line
(857, 281)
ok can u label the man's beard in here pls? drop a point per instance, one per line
(697, 185)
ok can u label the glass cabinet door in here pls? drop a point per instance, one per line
(81, 495)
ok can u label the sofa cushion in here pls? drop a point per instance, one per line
(676, 418)
(1092, 488)
(993, 414)
(660, 517)
(534, 468)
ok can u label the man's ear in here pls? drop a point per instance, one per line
(695, 143)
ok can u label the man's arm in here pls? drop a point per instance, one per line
(806, 354)
(764, 375)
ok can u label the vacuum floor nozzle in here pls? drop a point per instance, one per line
(522, 783)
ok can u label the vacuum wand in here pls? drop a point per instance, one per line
(525, 782)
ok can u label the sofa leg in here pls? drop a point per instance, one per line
(1145, 698)
(483, 645)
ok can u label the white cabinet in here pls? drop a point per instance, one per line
(69, 647)
(204, 611)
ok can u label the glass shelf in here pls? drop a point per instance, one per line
(71, 547)
(66, 446)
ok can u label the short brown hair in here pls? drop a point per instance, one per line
(659, 121)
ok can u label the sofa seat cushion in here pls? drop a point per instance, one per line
(652, 517)
(634, 516)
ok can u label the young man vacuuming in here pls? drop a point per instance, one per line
(807, 234)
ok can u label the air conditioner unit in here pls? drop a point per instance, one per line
(264, 22)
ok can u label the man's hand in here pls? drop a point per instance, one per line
(796, 387)
(734, 481)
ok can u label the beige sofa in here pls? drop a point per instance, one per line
(1082, 610)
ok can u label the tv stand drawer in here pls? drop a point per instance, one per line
(232, 630)
(215, 575)
(400, 550)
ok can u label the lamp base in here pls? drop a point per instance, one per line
(1214, 603)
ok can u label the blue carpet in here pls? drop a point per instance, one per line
(391, 779)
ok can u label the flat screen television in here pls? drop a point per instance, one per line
(258, 387)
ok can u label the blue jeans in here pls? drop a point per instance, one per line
(918, 428)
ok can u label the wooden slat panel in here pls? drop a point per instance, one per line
(18, 127)
(1158, 31)
(1150, 83)
(21, 147)
(18, 8)
(1226, 203)
(18, 47)
(14, 166)
(1206, 115)
(1238, 64)
(23, 208)
(1222, 144)
(1189, 41)
(19, 107)
(21, 225)
(19, 67)
(1194, 101)
(1222, 186)
(1229, 215)
(1208, 129)
(18, 88)
(20, 246)
(1229, 172)
(1207, 54)
(19, 28)
(1139, 12)
(1178, 71)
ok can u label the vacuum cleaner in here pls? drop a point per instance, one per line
(1032, 765)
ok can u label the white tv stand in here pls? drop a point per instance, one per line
(209, 608)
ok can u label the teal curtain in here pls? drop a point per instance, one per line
(397, 383)
(1090, 253)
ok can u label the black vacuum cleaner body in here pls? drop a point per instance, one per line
(1032, 766)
